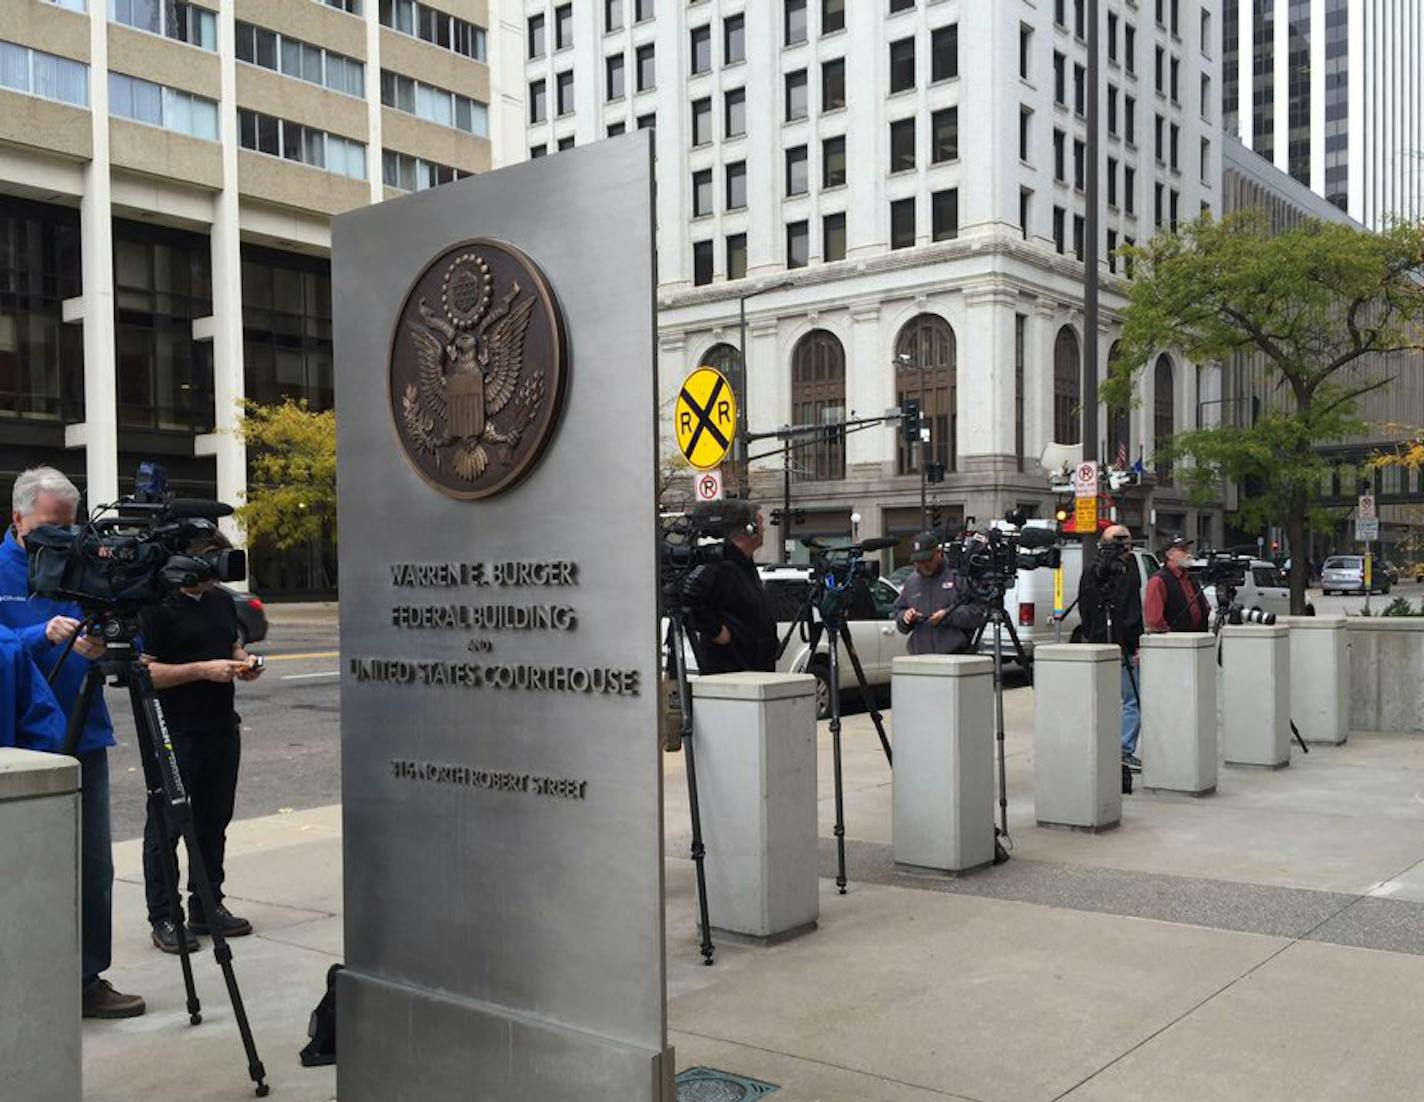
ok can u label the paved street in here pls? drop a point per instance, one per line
(291, 735)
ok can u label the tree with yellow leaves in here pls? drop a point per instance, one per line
(291, 485)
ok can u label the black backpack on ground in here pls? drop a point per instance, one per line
(321, 1051)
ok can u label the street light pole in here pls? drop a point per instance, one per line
(1091, 231)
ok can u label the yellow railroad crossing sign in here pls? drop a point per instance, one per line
(705, 418)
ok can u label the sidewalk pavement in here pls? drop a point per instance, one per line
(1266, 943)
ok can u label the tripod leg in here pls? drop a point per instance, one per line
(149, 716)
(1296, 732)
(699, 852)
(866, 695)
(836, 760)
(169, 830)
(1002, 840)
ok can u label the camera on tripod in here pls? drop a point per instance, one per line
(1227, 573)
(836, 569)
(1111, 562)
(989, 561)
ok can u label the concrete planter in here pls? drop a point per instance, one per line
(1386, 661)
(1320, 677)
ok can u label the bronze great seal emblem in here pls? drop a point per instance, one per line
(478, 369)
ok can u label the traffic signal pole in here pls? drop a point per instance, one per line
(1092, 230)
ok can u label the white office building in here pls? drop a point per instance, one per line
(1332, 92)
(893, 177)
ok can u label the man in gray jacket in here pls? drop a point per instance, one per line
(933, 609)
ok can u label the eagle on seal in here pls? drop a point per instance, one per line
(468, 364)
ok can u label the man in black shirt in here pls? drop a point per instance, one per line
(727, 605)
(192, 651)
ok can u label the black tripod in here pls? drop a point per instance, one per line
(828, 599)
(1105, 596)
(166, 800)
(676, 637)
(999, 618)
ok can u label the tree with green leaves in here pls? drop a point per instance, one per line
(1312, 306)
(291, 485)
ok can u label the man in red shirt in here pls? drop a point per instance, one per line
(1174, 601)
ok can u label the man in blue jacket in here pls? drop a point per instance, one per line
(45, 496)
(29, 716)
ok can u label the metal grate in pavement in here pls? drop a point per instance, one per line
(711, 1085)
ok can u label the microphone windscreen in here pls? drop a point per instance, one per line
(812, 541)
(1037, 537)
(879, 543)
(196, 508)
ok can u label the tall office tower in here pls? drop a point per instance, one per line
(894, 191)
(1332, 92)
(168, 174)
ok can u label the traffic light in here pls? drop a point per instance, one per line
(934, 472)
(1061, 516)
(910, 419)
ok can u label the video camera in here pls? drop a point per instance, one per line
(693, 539)
(1111, 562)
(837, 569)
(1227, 572)
(989, 561)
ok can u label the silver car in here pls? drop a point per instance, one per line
(1346, 574)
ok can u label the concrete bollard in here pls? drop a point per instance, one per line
(39, 926)
(754, 735)
(1256, 677)
(1077, 736)
(943, 790)
(1320, 677)
(1179, 724)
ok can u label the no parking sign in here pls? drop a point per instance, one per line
(707, 485)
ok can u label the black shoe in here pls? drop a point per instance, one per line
(165, 937)
(102, 1001)
(1132, 762)
(228, 924)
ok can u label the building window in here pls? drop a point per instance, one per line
(294, 58)
(616, 128)
(40, 74)
(1060, 79)
(1158, 193)
(434, 104)
(902, 145)
(613, 75)
(798, 245)
(407, 173)
(647, 71)
(648, 121)
(944, 53)
(158, 105)
(1025, 132)
(41, 358)
(701, 192)
(1067, 388)
(818, 398)
(944, 135)
(796, 105)
(795, 22)
(1112, 250)
(1080, 164)
(1060, 156)
(1164, 413)
(1079, 20)
(902, 65)
(1025, 50)
(1112, 181)
(944, 215)
(303, 144)
(897, 6)
(1173, 201)
(537, 151)
(1119, 420)
(833, 237)
(1129, 119)
(736, 185)
(175, 19)
(566, 142)
(734, 39)
(162, 281)
(1161, 70)
(798, 171)
(642, 10)
(833, 84)
(702, 121)
(1112, 110)
(736, 256)
(536, 36)
(1205, 160)
(735, 112)
(563, 26)
(833, 162)
(832, 16)
(701, 263)
(902, 224)
(926, 367)
(1175, 84)
(1078, 236)
(612, 15)
(436, 27)
(1174, 147)
(565, 92)
(538, 102)
(1060, 230)
(1020, 326)
(1129, 189)
(701, 49)
(1159, 140)
(1025, 210)
(1112, 37)
(1129, 47)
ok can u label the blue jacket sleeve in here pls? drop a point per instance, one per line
(40, 725)
(34, 638)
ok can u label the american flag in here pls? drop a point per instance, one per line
(1120, 460)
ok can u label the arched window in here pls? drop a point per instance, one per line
(929, 374)
(1119, 422)
(818, 398)
(1067, 388)
(1164, 413)
(726, 359)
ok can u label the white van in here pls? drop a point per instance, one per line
(1029, 602)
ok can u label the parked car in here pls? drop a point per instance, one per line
(870, 615)
(1346, 574)
(1265, 587)
(251, 617)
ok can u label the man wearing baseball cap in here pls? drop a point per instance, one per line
(932, 609)
(1174, 600)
